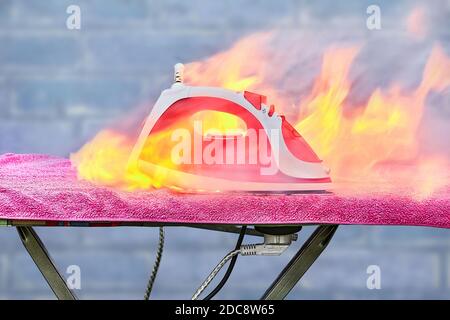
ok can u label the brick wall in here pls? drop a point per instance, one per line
(59, 87)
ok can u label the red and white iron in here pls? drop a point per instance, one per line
(225, 161)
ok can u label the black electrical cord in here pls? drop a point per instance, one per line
(230, 266)
(159, 252)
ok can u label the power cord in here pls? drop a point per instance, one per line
(159, 253)
(273, 245)
(230, 266)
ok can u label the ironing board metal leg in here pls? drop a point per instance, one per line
(43, 261)
(300, 263)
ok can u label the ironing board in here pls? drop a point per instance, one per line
(41, 190)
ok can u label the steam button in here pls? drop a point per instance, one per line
(271, 110)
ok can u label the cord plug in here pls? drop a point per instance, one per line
(274, 245)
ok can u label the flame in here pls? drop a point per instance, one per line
(216, 122)
(104, 159)
(376, 142)
(232, 69)
(383, 132)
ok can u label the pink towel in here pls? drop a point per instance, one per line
(41, 187)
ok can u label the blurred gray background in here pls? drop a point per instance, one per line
(59, 87)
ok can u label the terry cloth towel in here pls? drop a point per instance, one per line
(46, 188)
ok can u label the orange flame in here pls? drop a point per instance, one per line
(383, 132)
(104, 159)
(376, 142)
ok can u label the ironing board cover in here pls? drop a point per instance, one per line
(46, 188)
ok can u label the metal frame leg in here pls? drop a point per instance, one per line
(278, 290)
(300, 263)
(43, 261)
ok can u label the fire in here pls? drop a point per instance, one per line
(322, 111)
(219, 123)
(233, 69)
(104, 159)
(376, 142)
(382, 133)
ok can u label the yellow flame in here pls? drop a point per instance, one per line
(104, 159)
(216, 122)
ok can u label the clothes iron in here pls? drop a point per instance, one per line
(264, 154)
